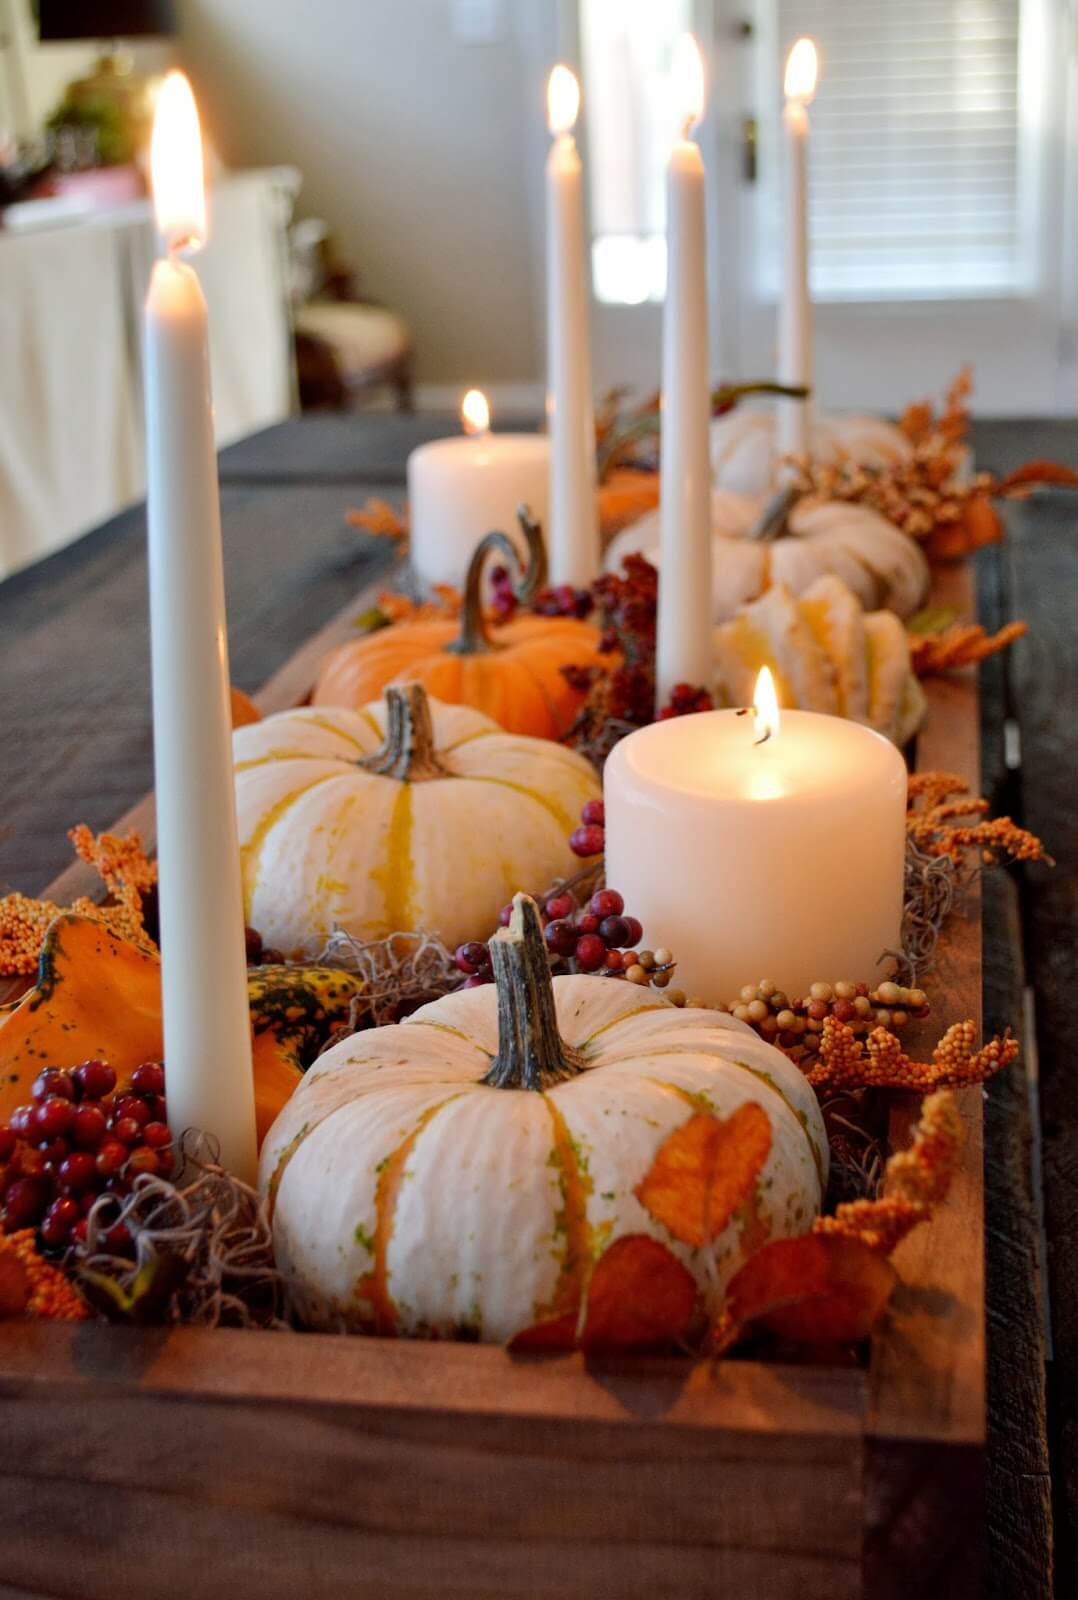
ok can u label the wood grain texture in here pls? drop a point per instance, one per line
(1043, 577)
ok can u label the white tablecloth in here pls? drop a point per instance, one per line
(71, 429)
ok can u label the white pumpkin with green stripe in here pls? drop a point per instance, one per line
(407, 815)
(458, 1173)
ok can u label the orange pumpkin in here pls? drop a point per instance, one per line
(512, 673)
(99, 996)
(244, 709)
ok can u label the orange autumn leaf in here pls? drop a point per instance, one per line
(380, 518)
(703, 1172)
(815, 1289)
(639, 1294)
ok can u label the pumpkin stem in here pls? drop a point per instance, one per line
(474, 639)
(408, 753)
(774, 519)
(531, 1052)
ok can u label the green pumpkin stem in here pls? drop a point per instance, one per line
(408, 753)
(774, 519)
(531, 1052)
(474, 638)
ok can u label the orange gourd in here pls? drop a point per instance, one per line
(99, 996)
(512, 673)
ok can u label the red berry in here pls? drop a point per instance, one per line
(19, 1121)
(164, 1159)
(31, 1163)
(844, 1010)
(593, 811)
(89, 1127)
(53, 1116)
(59, 1220)
(95, 1078)
(477, 980)
(818, 1009)
(606, 903)
(127, 1130)
(505, 915)
(158, 1110)
(156, 1135)
(79, 1232)
(613, 962)
(24, 1202)
(560, 905)
(111, 1157)
(149, 1078)
(636, 929)
(54, 1151)
(130, 1105)
(614, 931)
(117, 1238)
(8, 1141)
(590, 953)
(473, 956)
(252, 940)
(77, 1171)
(142, 1160)
(560, 937)
(587, 922)
(587, 840)
(53, 1082)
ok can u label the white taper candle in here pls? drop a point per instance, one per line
(683, 639)
(795, 364)
(209, 1082)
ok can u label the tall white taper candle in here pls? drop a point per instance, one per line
(795, 306)
(683, 639)
(573, 533)
(209, 1082)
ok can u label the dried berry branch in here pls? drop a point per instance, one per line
(959, 645)
(936, 799)
(846, 1062)
(127, 874)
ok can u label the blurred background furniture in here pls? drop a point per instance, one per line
(347, 347)
(71, 432)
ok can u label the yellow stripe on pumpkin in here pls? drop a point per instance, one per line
(251, 852)
(571, 1222)
(396, 876)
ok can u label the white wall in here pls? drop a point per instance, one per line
(413, 145)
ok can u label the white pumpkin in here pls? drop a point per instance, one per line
(826, 654)
(744, 452)
(882, 565)
(406, 815)
(457, 1173)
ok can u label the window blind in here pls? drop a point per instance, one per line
(915, 163)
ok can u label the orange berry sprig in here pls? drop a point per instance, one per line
(49, 1294)
(936, 804)
(962, 644)
(915, 1181)
(846, 1063)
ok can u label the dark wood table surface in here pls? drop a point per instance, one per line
(75, 731)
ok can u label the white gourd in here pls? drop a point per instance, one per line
(744, 454)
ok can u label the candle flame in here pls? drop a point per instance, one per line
(179, 195)
(562, 100)
(474, 412)
(687, 72)
(801, 69)
(766, 705)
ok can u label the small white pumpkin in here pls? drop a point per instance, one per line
(883, 566)
(407, 815)
(744, 452)
(826, 654)
(458, 1172)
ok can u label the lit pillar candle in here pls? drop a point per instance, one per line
(779, 859)
(795, 306)
(573, 533)
(203, 966)
(461, 488)
(683, 640)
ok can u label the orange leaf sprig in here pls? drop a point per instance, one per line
(126, 872)
(915, 1182)
(381, 519)
(962, 644)
(44, 1290)
(844, 1062)
(936, 804)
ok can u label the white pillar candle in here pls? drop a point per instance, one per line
(573, 534)
(683, 639)
(461, 488)
(781, 860)
(207, 1033)
(795, 305)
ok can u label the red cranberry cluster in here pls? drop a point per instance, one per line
(80, 1138)
(595, 937)
(685, 698)
(560, 601)
(590, 838)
